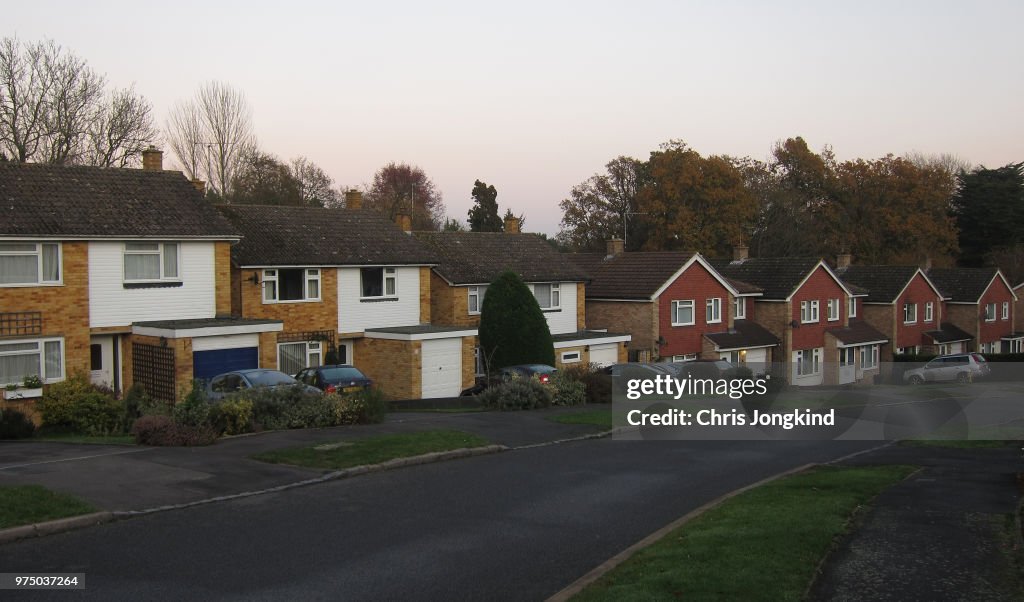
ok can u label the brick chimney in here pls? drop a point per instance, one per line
(353, 199)
(200, 186)
(843, 260)
(404, 221)
(740, 253)
(152, 159)
(512, 225)
(615, 247)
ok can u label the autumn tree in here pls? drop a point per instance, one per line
(483, 215)
(598, 208)
(315, 187)
(397, 187)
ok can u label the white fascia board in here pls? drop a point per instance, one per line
(209, 331)
(423, 336)
(625, 338)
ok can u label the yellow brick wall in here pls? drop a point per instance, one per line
(581, 306)
(268, 350)
(449, 305)
(637, 319)
(584, 356)
(222, 265)
(395, 366)
(468, 362)
(966, 318)
(297, 317)
(425, 286)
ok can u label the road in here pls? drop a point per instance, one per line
(520, 525)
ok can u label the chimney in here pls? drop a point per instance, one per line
(200, 186)
(843, 260)
(152, 159)
(404, 221)
(512, 225)
(740, 253)
(353, 199)
(615, 247)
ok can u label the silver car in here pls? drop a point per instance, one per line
(962, 367)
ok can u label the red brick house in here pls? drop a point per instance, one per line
(980, 302)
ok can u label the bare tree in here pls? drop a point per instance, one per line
(316, 188)
(24, 87)
(122, 130)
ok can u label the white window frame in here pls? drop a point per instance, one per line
(809, 312)
(990, 316)
(38, 253)
(713, 310)
(833, 310)
(852, 307)
(41, 343)
(475, 294)
(687, 357)
(161, 251)
(554, 299)
(1006, 310)
(944, 349)
(389, 281)
(571, 357)
(676, 305)
(910, 313)
(1016, 345)
(272, 285)
(739, 308)
(869, 357)
(846, 356)
(801, 355)
(929, 311)
(313, 349)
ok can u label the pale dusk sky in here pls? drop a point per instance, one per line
(534, 97)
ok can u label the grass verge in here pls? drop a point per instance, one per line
(598, 418)
(764, 544)
(96, 440)
(28, 504)
(373, 450)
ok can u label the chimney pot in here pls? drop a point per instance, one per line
(152, 159)
(615, 247)
(353, 199)
(843, 260)
(512, 225)
(740, 253)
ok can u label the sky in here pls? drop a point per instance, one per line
(535, 97)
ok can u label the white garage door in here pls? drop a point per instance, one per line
(604, 355)
(756, 359)
(442, 368)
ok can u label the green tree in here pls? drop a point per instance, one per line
(989, 211)
(597, 208)
(513, 329)
(263, 180)
(483, 215)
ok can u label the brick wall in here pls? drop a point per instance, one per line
(222, 265)
(449, 305)
(967, 318)
(395, 366)
(698, 285)
(821, 287)
(883, 319)
(637, 319)
(468, 362)
(425, 287)
(911, 335)
(297, 317)
(997, 293)
(581, 306)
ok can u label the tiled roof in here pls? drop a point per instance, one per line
(858, 332)
(778, 277)
(308, 236)
(883, 283)
(962, 284)
(634, 275)
(98, 202)
(588, 262)
(948, 333)
(744, 335)
(479, 257)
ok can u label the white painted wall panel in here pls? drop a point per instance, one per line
(110, 304)
(356, 316)
(231, 341)
(561, 322)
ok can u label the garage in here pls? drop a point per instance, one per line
(442, 368)
(215, 355)
(604, 355)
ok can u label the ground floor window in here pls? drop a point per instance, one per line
(869, 357)
(808, 361)
(689, 357)
(570, 357)
(43, 358)
(989, 348)
(1014, 346)
(908, 350)
(846, 356)
(292, 357)
(943, 349)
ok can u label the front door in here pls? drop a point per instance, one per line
(102, 360)
(847, 369)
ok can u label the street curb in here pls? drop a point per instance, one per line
(54, 526)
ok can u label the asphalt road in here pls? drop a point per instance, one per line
(519, 525)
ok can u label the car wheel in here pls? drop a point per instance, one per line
(916, 380)
(963, 377)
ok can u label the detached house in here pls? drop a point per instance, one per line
(979, 302)
(122, 274)
(676, 306)
(815, 315)
(349, 287)
(469, 261)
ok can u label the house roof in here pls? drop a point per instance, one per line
(963, 285)
(309, 236)
(50, 201)
(777, 277)
(479, 257)
(743, 335)
(948, 333)
(642, 275)
(858, 332)
(882, 283)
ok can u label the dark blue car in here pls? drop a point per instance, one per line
(339, 378)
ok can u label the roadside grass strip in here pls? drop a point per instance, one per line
(87, 439)
(764, 544)
(28, 504)
(984, 437)
(374, 450)
(598, 418)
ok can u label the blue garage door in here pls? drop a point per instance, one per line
(207, 364)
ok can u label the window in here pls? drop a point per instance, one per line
(682, 313)
(809, 311)
(378, 282)
(570, 357)
(869, 357)
(833, 310)
(43, 358)
(929, 311)
(908, 350)
(909, 313)
(1015, 346)
(293, 284)
(808, 361)
(150, 261)
(990, 312)
(24, 263)
(739, 309)
(547, 295)
(943, 349)
(478, 362)
(853, 307)
(1006, 310)
(689, 357)
(846, 356)
(293, 357)
(713, 311)
(476, 298)
(989, 347)
(95, 357)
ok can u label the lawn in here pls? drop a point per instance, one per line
(374, 450)
(599, 418)
(28, 504)
(764, 544)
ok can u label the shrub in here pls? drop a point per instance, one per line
(164, 431)
(232, 416)
(284, 407)
(517, 394)
(513, 329)
(568, 390)
(596, 383)
(376, 405)
(193, 410)
(15, 425)
(76, 405)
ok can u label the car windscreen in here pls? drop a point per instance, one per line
(333, 375)
(270, 379)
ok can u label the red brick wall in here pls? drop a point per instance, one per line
(698, 284)
(822, 287)
(997, 293)
(912, 335)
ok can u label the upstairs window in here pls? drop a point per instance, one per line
(929, 311)
(682, 313)
(150, 261)
(713, 310)
(547, 295)
(909, 313)
(1006, 310)
(809, 312)
(476, 298)
(740, 308)
(292, 284)
(26, 263)
(833, 310)
(990, 312)
(378, 283)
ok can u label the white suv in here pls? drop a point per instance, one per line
(962, 367)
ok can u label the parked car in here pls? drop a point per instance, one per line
(222, 385)
(542, 372)
(339, 378)
(962, 367)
